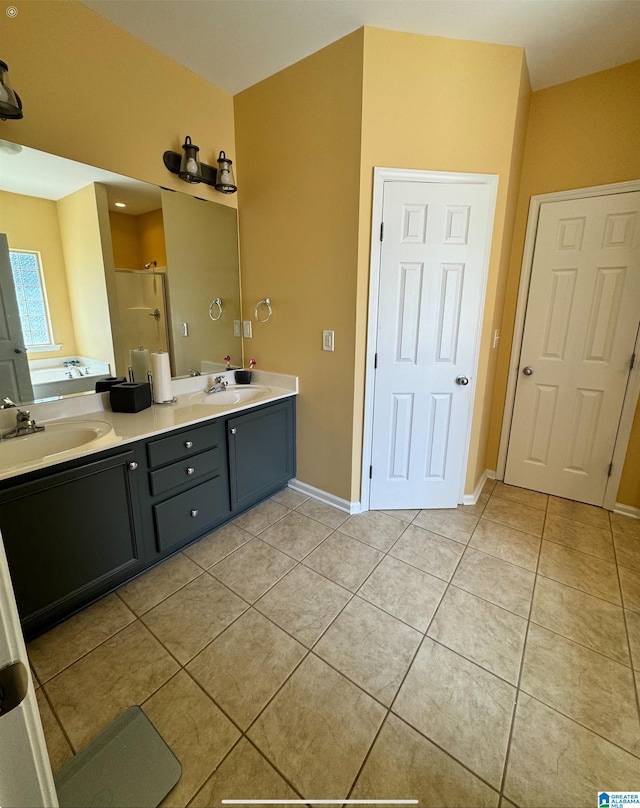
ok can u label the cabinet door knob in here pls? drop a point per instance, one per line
(188, 444)
(190, 470)
(133, 465)
(194, 512)
(233, 430)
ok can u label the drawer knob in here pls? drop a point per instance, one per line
(188, 444)
(194, 512)
(191, 470)
(133, 465)
(233, 430)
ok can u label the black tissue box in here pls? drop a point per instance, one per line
(130, 396)
(104, 385)
(242, 376)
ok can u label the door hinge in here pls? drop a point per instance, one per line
(381, 231)
(375, 362)
(633, 361)
(610, 469)
(371, 472)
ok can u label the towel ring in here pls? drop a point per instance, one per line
(217, 302)
(266, 302)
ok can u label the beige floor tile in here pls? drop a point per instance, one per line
(428, 551)
(480, 631)
(403, 764)
(192, 617)
(515, 515)
(579, 512)
(304, 604)
(625, 524)
(405, 592)
(296, 535)
(583, 618)
(244, 666)
(506, 543)
(627, 550)
(633, 627)
(344, 560)
(505, 803)
(371, 648)
(477, 508)
(253, 569)
(245, 774)
(555, 762)
(448, 522)
(217, 545)
(406, 515)
(501, 583)
(318, 729)
(289, 498)
(154, 586)
(523, 496)
(198, 733)
(454, 703)
(586, 572)
(374, 528)
(593, 690)
(328, 515)
(123, 671)
(586, 538)
(57, 745)
(261, 517)
(63, 645)
(630, 583)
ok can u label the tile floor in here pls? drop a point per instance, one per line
(482, 656)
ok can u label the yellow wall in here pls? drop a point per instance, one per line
(152, 244)
(96, 94)
(32, 224)
(137, 239)
(581, 133)
(298, 142)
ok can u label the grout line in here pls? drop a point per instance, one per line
(634, 673)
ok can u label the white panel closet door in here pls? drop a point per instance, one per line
(432, 276)
(581, 325)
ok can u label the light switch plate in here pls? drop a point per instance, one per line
(237, 328)
(246, 329)
(327, 340)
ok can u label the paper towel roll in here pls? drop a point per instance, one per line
(139, 362)
(161, 372)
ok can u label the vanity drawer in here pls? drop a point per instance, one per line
(190, 514)
(184, 471)
(168, 450)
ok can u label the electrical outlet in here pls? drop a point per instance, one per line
(184, 329)
(327, 340)
(246, 329)
(237, 328)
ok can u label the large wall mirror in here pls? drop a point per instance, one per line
(94, 265)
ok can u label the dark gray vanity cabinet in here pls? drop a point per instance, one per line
(73, 535)
(262, 455)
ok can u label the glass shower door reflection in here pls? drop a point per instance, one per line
(143, 314)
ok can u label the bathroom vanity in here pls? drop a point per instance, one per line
(77, 529)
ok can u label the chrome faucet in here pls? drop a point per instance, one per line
(219, 385)
(193, 372)
(6, 403)
(25, 425)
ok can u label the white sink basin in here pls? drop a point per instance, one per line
(56, 438)
(234, 394)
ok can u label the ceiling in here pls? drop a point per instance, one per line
(236, 43)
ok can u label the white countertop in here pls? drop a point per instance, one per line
(121, 428)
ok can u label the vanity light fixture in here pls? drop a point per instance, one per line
(189, 168)
(10, 103)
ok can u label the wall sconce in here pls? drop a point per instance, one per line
(189, 168)
(10, 103)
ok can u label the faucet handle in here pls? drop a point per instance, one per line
(6, 403)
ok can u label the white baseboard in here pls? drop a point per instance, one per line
(471, 499)
(627, 510)
(324, 496)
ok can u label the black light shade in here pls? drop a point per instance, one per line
(10, 103)
(225, 182)
(190, 163)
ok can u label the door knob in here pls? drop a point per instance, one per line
(462, 380)
(528, 371)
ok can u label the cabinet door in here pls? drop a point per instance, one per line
(261, 452)
(72, 536)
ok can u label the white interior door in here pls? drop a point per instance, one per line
(580, 329)
(432, 277)
(25, 772)
(15, 379)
